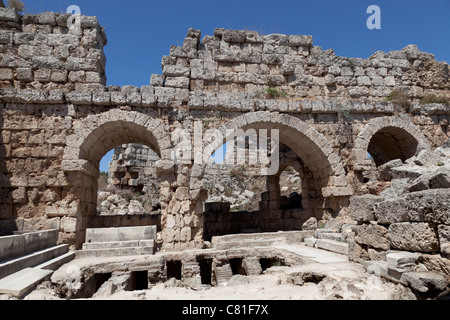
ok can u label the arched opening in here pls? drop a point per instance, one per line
(128, 188)
(386, 139)
(92, 140)
(392, 143)
(301, 150)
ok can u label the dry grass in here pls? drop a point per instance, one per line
(432, 98)
(399, 98)
(16, 4)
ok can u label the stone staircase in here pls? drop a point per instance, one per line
(223, 274)
(328, 239)
(26, 259)
(115, 242)
(259, 239)
(252, 266)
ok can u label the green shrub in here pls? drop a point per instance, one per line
(275, 93)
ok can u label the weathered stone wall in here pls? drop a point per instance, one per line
(411, 215)
(58, 119)
(41, 52)
(132, 165)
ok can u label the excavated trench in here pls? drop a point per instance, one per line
(210, 269)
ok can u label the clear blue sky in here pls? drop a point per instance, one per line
(141, 32)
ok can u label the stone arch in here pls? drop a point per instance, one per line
(108, 129)
(91, 140)
(311, 147)
(388, 138)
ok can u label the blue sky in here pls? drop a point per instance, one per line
(141, 32)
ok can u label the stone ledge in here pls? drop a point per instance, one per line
(166, 97)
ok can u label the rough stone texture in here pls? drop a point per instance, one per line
(373, 235)
(58, 120)
(411, 236)
(444, 238)
(401, 259)
(425, 281)
(362, 207)
(310, 224)
(428, 205)
(438, 264)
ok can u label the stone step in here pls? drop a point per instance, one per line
(115, 252)
(331, 236)
(57, 262)
(311, 242)
(259, 239)
(23, 243)
(118, 244)
(121, 234)
(252, 267)
(223, 274)
(31, 260)
(320, 231)
(331, 245)
(22, 282)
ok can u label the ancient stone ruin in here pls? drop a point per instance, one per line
(58, 119)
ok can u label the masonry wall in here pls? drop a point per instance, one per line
(58, 117)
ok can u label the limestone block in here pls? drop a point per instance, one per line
(19, 195)
(47, 62)
(157, 80)
(69, 224)
(444, 238)
(334, 70)
(42, 75)
(362, 207)
(9, 15)
(412, 236)
(79, 97)
(77, 64)
(425, 281)
(118, 98)
(148, 100)
(6, 37)
(6, 74)
(389, 81)
(134, 99)
(177, 82)
(47, 18)
(364, 81)
(250, 57)
(226, 56)
(89, 22)
(59, 76)
(373, 235)
(402, 259)
(183, 52)
(164, 166)
(427, 205)
(300, 40)
(31, 96)
(176, 71)
(101, 98)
